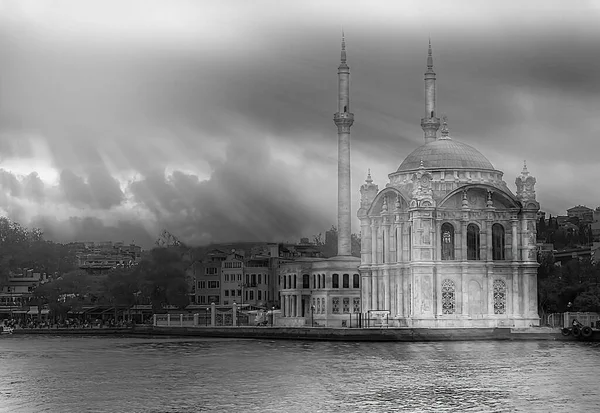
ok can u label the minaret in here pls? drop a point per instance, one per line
(343, 120)
(430, 123)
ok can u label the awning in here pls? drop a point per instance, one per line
(35, 312)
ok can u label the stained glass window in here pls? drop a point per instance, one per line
(447, 241)
(448, 297)
(498, 242)
(499, 297)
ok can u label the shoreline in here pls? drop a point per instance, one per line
(327, 334)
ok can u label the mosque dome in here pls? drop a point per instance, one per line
(446, 154)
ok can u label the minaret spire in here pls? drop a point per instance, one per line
(344, 120)
(343, 47)
(430, 123)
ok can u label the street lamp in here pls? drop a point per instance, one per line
(312, 315)
(272, 316)
(206, 318)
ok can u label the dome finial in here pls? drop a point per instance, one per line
(525, 171)
(369, 180)
(445, 131)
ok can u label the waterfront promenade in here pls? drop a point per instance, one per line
(324, 334)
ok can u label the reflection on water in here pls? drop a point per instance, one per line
(100, 374)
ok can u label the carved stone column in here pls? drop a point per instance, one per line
(515, 240)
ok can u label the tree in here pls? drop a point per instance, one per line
(65, 293)
(541, 229)
(329, 248)
(162, 279)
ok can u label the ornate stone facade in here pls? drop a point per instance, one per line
(457, 249)
(444, 244)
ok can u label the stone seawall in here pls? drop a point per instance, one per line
(373, 334)
(75, 331)
(325, 334)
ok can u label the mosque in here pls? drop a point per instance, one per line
(445, 244)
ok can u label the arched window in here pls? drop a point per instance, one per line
(346, 281)
(305, 281)
(473, 242)
(295, 284)
(335, 281)
(499, 297)
(355, 281)
(398, 249)
(497, 242)
(448, 297)
(447, 241)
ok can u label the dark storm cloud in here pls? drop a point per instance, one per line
(516, 80)
(101, 190)
(244, 199)
(9, 183)
(93, 229)
(34, 188)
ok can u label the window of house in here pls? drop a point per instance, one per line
(239, 293)
(202, 284)
(497, 242)
(202, 299)
(226, 277)
(210, 271)
(335, 281)
(259, 294)
(253, 279)
(260, 278)
(346, 281)
(473, 241)
(447, 241)
(409, 243)
(356, 305)
(305, 281)
(346, 305)
(226, 293)
(335, 305)
(251, 295)
(213, 284)
(356, 281)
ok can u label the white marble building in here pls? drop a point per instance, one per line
(445, 243)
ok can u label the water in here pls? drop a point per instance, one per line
(100, 374)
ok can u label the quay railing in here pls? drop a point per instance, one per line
(560, 320)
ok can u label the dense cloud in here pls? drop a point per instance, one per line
(216, 122)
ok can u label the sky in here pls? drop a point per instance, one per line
(214, 119)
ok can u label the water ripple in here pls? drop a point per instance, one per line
(159, 375)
